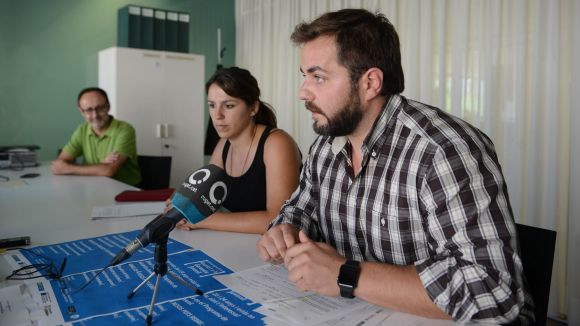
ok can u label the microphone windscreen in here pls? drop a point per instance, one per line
(201, 194)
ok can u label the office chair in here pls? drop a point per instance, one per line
(155, 171)
(537, 252)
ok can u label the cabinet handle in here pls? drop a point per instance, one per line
(162, 130)
(165, 130)
(159, 130)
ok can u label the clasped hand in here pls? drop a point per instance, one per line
(59, 166)
(312, 266)
(112, 158)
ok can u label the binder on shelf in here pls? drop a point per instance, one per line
(129, 26)
(159, 30)
(183, 33)
(146, 28)
(171, 31)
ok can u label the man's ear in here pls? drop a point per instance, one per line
(371, 83)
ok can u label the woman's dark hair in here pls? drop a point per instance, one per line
(93, 89)
(239, 83)
(364, 40)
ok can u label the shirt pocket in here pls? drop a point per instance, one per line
(396, 236)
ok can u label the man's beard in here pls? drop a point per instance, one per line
(345, 120)
(100, 123)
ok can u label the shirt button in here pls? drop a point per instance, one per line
(383, 222)
(374, 154)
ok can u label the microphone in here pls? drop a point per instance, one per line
(199, 196)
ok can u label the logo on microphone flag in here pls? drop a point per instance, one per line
(201, 194)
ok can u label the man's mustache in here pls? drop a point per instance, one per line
(312, 107)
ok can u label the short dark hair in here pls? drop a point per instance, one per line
(93, 89)
(239, 83)
(364, 40)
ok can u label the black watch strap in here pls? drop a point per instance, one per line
(348, 278)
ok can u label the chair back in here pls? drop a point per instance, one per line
(155, 172)
(537, 252)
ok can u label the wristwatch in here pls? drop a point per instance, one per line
(348, 278)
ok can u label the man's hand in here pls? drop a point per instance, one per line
(59, 166)
(112, 158)
(273, 244)
(314, 266)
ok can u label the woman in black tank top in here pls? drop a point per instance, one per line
(262, 163)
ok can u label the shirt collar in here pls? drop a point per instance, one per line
(386, 120)
(338, 144)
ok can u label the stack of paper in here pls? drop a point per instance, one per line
(282, 303)
(124, 210)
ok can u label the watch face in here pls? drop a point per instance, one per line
(348, 275)
(348, 278)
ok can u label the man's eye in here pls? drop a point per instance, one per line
(211, 105)
(318, 79)
(230, 106)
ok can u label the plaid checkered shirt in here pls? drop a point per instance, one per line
(431, 193)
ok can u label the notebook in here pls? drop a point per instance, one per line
(145, 195)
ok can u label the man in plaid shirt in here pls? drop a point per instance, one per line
(403, 204)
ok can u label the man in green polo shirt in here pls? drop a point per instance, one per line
(108, 145)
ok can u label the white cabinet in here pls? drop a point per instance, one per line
(162, 95)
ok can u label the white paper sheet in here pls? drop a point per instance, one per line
(13, 306)
(264, 283)
(367, 315)
(310, 310)
(269, 285)
(124, 210)
(283, 304)
(29, 303)
(12, 184)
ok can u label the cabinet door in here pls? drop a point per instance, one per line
(183, 113)
(134, 80)
(162, 95)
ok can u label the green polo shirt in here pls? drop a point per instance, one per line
(119, 137)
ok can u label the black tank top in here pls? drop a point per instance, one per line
(247, 192)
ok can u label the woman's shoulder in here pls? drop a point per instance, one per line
(280, 145)
(279, 137)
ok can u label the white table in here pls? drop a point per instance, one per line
(57, 208)
(52, 209)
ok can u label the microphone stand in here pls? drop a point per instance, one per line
(160, 269)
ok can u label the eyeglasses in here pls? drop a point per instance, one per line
(45, 268)
(98, 109)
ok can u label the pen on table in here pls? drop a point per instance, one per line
(62, 267)
(196, 290)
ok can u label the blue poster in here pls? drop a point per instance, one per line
(105, 300)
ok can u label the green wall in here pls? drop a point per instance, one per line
(48, 53)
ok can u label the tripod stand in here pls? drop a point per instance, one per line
(160, 269)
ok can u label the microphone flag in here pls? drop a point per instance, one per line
(201, 194)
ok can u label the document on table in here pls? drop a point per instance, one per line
(12, 184)
(30, 303)
(283, 304)
(124, 210)
(269, 286)
(266, 283)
